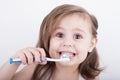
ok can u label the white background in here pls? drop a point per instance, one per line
(20, 21)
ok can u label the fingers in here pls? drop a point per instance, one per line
(31, 55)
(42, 51)
(35, 54)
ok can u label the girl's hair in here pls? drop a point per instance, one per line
(89, 69)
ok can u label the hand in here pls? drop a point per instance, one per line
(31, 55)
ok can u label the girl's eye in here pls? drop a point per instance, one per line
(59, 35)
(77, 36)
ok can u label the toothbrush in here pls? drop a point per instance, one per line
(63, 58)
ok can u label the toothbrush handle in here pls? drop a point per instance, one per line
(17, 61)
(20, 61)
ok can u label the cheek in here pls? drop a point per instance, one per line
(53, 48)
(82, 50)
(82, 55)
(84, 45)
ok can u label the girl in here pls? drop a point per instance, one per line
(69, 30)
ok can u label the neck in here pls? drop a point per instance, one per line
(66, 73)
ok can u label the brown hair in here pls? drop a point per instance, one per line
(89, 69)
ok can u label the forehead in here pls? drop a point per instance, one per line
(78, 21)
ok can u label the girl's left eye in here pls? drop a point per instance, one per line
(77, 36)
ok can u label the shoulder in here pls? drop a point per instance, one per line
(26, 73)
(97, 78)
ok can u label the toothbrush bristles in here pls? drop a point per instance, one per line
(65, 58)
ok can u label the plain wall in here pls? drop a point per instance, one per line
(20, 21)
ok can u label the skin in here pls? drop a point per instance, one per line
(73, 35)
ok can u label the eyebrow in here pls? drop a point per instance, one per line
(76, 29)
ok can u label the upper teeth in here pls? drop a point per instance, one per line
(65, 56)
(68, 53)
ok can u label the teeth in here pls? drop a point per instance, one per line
(64, 56)
(67, 53)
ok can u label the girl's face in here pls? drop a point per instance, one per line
(72, 37)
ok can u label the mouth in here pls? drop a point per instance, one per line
(70, 54)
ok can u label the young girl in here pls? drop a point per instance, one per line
(67, 30)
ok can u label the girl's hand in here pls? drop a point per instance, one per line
(31, 55)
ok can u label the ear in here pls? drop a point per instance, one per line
(93, 44)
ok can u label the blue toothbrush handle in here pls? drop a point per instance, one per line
(20, 61)
(12, 61)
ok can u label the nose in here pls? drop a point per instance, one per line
(68, 42)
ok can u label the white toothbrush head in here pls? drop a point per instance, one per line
(64, 58)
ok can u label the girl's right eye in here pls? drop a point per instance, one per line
(59, 35)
